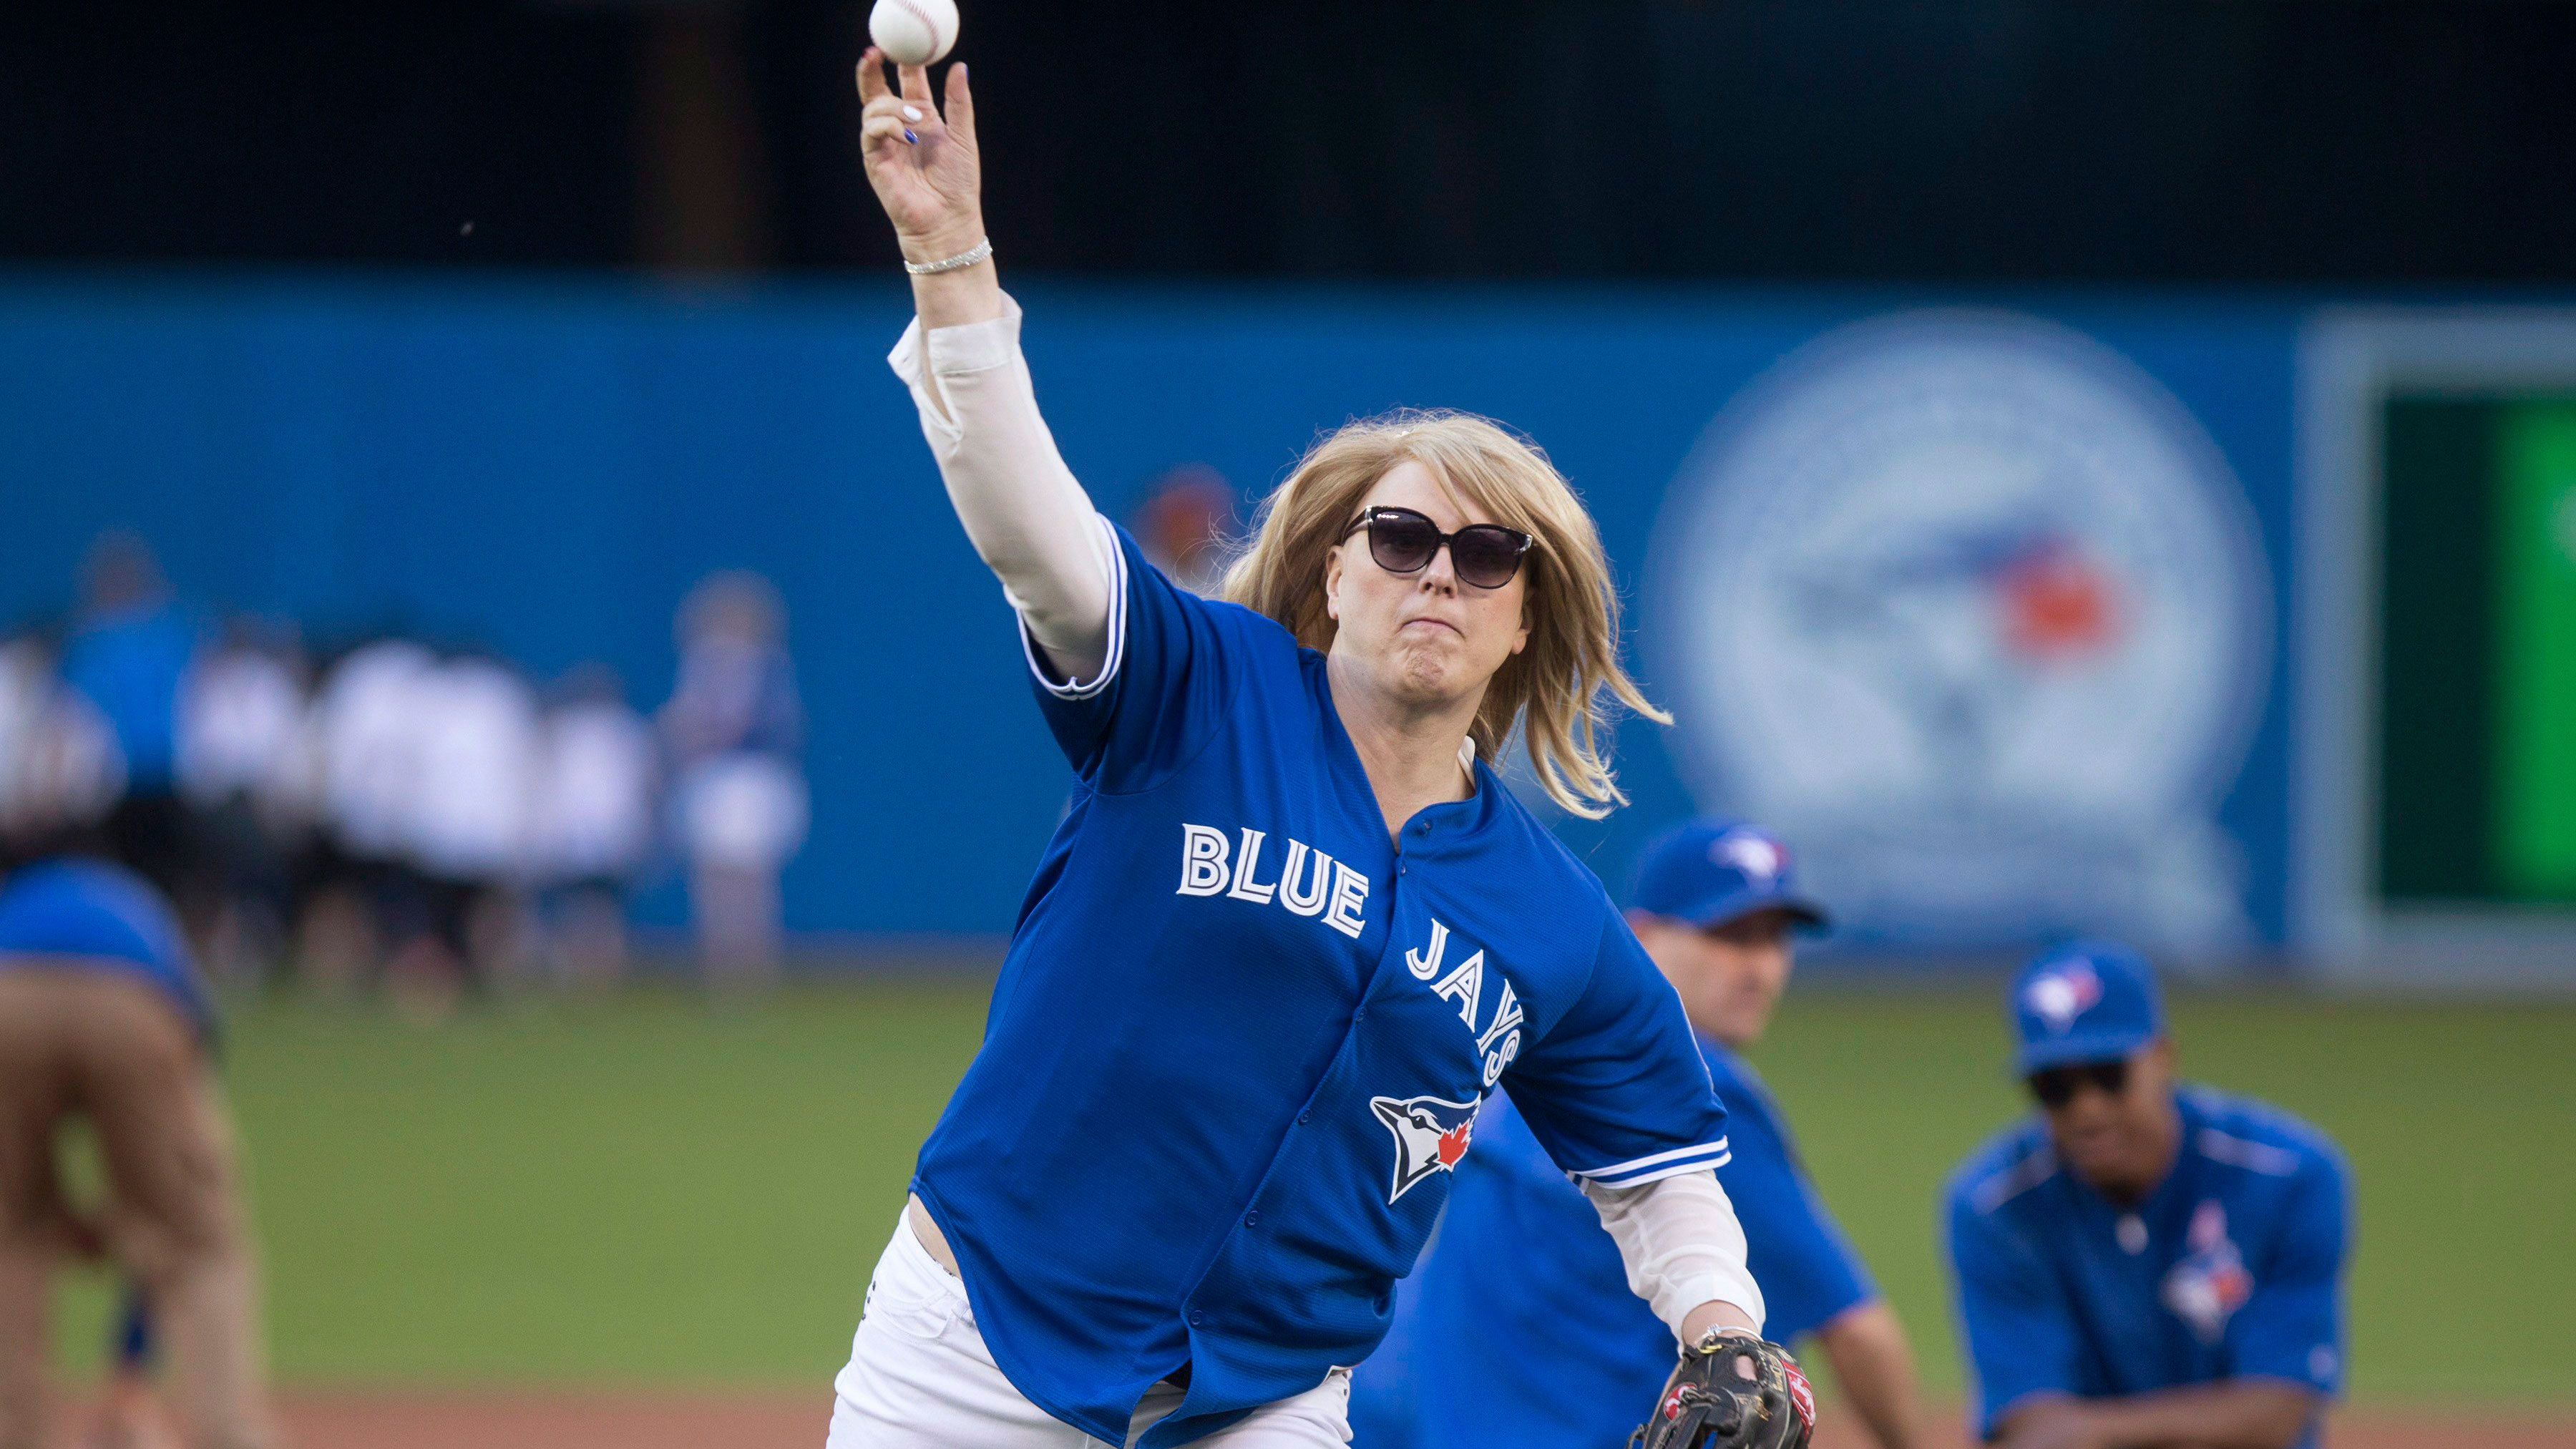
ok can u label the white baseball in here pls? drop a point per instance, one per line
(913, 32)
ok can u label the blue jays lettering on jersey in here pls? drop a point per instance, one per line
(1521, 1259)
(1241, 1037)
(101, 917)
(2231, 1268)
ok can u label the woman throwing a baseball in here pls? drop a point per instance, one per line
(1290, 935)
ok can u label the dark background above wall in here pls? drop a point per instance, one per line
(2331, 141)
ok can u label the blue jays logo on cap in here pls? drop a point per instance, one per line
(1758, 857)
(2088, 1001)
(2059, 996)
(1710, 872)
(1430, 1136)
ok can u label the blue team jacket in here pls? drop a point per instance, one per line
(101, 917)
(1241, 1038)
(2232, 1268)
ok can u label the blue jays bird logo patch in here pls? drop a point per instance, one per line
(1430, 1136)
(2207, 1287)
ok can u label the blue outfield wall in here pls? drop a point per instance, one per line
(1920, 593)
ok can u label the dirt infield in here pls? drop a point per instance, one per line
(557, 1420)
(796, 1421)
(606, 1420)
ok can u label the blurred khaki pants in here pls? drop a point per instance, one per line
(80, 1041)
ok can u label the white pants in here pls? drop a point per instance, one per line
(919, 1377)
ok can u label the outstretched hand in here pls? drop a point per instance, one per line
(921, 161)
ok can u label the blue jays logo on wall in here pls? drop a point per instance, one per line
(1430, 1136)
(1969, 607)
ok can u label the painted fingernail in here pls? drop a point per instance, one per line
(910, 139)
(912, 113)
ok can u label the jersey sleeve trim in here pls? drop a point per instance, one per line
(2248, 1154)
(1993, 1192)
(1117, 651)
(1638, 1171)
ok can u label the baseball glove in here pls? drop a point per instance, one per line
(1731, 1391)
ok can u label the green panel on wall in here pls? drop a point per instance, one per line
(2535, 701)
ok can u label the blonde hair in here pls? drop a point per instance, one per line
(1557, 691)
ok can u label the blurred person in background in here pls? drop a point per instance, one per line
(243, 768)
(1717, 907)
(59, 763)
(735, 731)
(2142, 1263)
(455, 920)
(593, 823)
(1186, 525)
(129, 647)
(103, 1018)
(26, 688)
(366, 726)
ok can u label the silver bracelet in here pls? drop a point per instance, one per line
(967, 258)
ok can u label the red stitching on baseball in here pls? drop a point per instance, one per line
(936, 49)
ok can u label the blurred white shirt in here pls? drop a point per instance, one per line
(59, 761)
(241, 718)
(594, 807)
(24, 682)
(479, 744)
(745, 811)
(369, 722)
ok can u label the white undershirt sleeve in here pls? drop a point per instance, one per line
(1028, 518)
(1681, 1244)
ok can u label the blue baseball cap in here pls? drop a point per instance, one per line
(1709, 872)
(2085, 1001)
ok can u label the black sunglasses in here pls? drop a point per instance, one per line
(2056, 1086)
(1404, 542)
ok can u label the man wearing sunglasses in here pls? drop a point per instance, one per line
(2142, 1262)
(1518, 1264)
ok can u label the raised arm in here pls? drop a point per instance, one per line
(1028, 518)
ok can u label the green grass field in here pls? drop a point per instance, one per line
(644, 1190)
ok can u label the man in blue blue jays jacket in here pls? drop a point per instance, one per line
(1519, 1261)
(2141, 1263)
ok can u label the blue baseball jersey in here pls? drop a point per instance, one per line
(129, 663)
(101, 917)
(1241, 1037)
(2232, 1268)
(1521, 1259)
